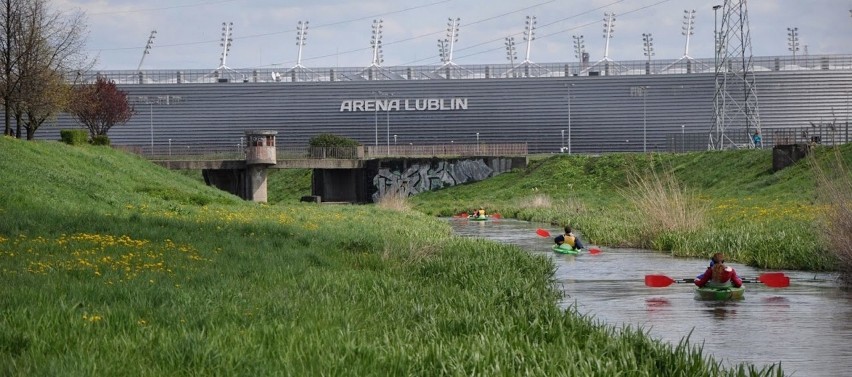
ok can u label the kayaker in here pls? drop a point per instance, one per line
(713, 260)
(568, 238)
(481, 212)
(720, 275)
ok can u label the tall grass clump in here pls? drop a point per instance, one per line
(395, 202)
(834, 189)
(663, 205)
(536, 201)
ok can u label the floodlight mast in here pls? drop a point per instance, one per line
(688, 29)
(793, 41)
(301, 37)
(376, 43)
(529, 35)
(648, 44)
(447, 45)
(442, 51)
(452, 35)
(579, 49)
(147, 48)
(225, 43)
(609, 29)
(511, 52)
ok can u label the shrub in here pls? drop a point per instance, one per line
(100, 140)
(332, 140)
(74, 137)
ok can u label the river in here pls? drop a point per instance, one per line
(805, 326)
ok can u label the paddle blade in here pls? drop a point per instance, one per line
(594, 251)
(462, 214)
(496, 216)
(542, 232)
(658, 281)
(774, 280)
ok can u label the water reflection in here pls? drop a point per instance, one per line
(657, 304)
(805, 326)
(720, 311)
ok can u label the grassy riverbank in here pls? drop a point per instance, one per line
(734, 203)
(738, 205)
(112, 266)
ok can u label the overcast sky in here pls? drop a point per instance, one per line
(264, 31)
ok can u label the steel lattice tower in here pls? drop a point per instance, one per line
(735, 99)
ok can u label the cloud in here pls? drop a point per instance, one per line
(339, 34)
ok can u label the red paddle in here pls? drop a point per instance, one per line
(497, 216)
(774, 280)
(771, 279)
(659, 281)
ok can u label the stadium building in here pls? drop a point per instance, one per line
(615, 106)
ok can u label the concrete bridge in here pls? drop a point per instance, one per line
(360, 174)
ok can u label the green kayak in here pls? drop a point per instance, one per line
(719, 294)
(565, 249)
(478, 218)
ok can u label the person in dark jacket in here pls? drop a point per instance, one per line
(568, 238)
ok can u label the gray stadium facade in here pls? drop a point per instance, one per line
(594, 109)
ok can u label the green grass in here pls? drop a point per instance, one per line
(760, 218)
(288, 185)
(757, 217)
(113, 266)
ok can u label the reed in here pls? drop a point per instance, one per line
(537, 201)
(395, 202)
(662, 205)
(835, 192)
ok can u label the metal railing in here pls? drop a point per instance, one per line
(822, 134)
(830, 134)
(478, 71)
(447, 150)
(216, 152)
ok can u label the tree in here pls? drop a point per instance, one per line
(39, 48)
(10, 53)
(100, 106)
(42, 99)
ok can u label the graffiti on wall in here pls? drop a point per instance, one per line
(426, 177)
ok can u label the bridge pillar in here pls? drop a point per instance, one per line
(260, 155)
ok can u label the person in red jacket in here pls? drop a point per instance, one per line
(719, 275)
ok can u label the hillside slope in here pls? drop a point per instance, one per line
(51, 180)
(114, 266)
